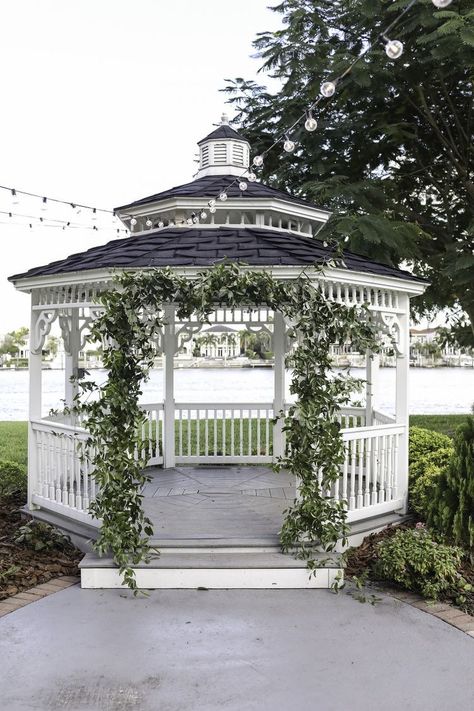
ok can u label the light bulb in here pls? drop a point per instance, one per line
(195, 220)
(170, 223)
(212, 209)
(441, 3)
(212, 203)
(258, 161)
(189, 221)
(243, 185)
(289, 145)
(223, 196)
(328, 88)
(149, 223)
(394, 49)
(15, 200)
(251, 177)
(203, 215)
(133, 221)
(94, 214)
(161, 223)
(44, 205)
(310, 124)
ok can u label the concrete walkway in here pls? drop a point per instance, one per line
(81, 650)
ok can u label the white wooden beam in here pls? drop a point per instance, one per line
(279, 382)
(35, 404)
(401, 402)
(169, 347)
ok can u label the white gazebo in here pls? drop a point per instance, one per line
(236, 537)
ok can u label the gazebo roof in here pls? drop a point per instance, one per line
(201, 247)
(211, 185)
(223, 131)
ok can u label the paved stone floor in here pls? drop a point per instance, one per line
(217, 503)
(276, 650)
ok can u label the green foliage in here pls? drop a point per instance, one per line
(413, 559)
(438, 458)
(12, 478)
(392, 155)
(41, 537)
(422, 443)
(451, 510)
(131, 319)
(421, 490)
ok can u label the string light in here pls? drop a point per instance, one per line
(223, 196)
(44, 204)
(203, 215)
(50, 222)
(328, 89)
(289, 145)
(15, 200)
(258, 161)
(251, 177)
(162, 224)
(310, 124)
(393, 48)
(149, 223)
(133, 221)
(16, 193)
(441, 3)
(243, 185)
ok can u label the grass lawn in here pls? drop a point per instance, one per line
(446, 424)
(13, 442)
(13, 435)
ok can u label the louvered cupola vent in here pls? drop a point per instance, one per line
(223, 152)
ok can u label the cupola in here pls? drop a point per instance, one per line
(223, 152)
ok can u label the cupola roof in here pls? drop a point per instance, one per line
(223, 152)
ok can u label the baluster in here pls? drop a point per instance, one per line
(368, 471)
(360, 480)
(180, 432)
(241, 433)
(150, 433)
(382, 470)
(215, 432)
(232, 443)
(267, 432)
(206, 433)
(258, 432)
(189, 433)
(63, 470)
(224, 412)
(250, 432)
(198, 432)
(389, 467)
(85, 477)
(353, 475)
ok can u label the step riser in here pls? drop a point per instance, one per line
(213, 579)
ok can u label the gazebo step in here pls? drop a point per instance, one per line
(213, 569)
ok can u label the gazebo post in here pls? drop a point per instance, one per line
(71, 364)
(401, 398)
(279, 381)
(35, 397)
(169, 347)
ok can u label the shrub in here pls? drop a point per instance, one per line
(451, 510)
(421, 492)
(424, 442)
(412, 559)
(12, 478)
(41, 537)
(438, 458)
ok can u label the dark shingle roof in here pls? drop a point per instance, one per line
(201, 247)
(211, 185)
(223, 131)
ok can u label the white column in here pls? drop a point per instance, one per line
(35, 392)
(372, 362)
(279, 382)
(72, 359)
(169, 343)
(401, 399)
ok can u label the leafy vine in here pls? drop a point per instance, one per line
(132, 319)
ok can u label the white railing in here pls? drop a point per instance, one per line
(369, 481)
(225, 433)
(61, 474)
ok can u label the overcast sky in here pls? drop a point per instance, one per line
(103, 102)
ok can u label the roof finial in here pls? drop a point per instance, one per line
(224, 120)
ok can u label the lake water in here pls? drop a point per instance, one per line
(440, 390)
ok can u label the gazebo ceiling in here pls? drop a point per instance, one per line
(202, 247)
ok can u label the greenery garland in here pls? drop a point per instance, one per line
(131, 321)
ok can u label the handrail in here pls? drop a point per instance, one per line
(224, 405)
(361, 432)
(48, 425)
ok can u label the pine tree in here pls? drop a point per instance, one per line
(392, 156)
(452, 506)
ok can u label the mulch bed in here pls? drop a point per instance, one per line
(21, 567)
(360, 561)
